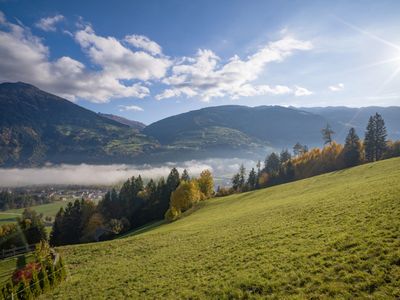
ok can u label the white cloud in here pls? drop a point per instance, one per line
(301, 91)
(118, 60)
(129, 66)
(204, 76)
(24, 57)
(49, 24)
(130, 107)
(336, 88)
(143, 42)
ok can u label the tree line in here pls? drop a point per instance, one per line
(134, 205)
(12, 200)
(303, 163)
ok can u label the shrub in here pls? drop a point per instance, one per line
(43, 279)
(172, 214)
(35, 284)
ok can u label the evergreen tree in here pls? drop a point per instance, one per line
(252, 179)
(56, 232)
(375, 138)
(327, 133)
(380, 136)
(173, 180)
(272, 164)
(297, 149)
(285, 156)
(369, 140)
(289, 171)
(242, 177)
(236, 182)
(351, 150)
(185, 175)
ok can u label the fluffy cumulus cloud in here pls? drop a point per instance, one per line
(206, 77)
(49, 23)
(337, 87)
(130, 108)
(24, 57)
(143, 42)
(118, 60)
(126, 67)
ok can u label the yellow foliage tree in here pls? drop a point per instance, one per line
(206, 184)
(185, 195)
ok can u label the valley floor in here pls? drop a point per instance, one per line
(330, 236)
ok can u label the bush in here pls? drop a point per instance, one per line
(223, 191)
(172, 214)
(43, 279)
(35, 284)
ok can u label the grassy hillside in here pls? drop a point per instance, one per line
(335, 235)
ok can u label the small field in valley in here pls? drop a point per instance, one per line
(49, 209)
(334, 235)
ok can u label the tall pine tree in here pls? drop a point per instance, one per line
(327, 133)
(375, 138)
(351, 150)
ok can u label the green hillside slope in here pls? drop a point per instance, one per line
(335, 235)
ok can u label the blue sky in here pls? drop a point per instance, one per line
(146, 60)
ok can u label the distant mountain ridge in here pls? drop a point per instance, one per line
(37, 127)
(357, 117)
(131, 123)
(272, 125)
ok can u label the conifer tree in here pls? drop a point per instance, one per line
(351, 150)
(297, 149)
(252, 179)
(272, 164)
(242, 177)
(327, 133)
(369, 140)
(173, 180)
(185, 175)
(236, 182)
(284, 156)
(380, 136)
(375, 138)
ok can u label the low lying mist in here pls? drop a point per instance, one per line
(85, 174)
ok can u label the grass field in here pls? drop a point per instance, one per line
(330, 236)
(50, 209)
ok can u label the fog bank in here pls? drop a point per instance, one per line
(85, 174)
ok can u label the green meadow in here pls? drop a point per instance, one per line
(49, 209)
(331, 236)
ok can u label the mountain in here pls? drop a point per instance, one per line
(269, 125)
(333, 236)
(38, 127)
(358, 118)
(131, 123)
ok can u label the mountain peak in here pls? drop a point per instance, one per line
(18, 84)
